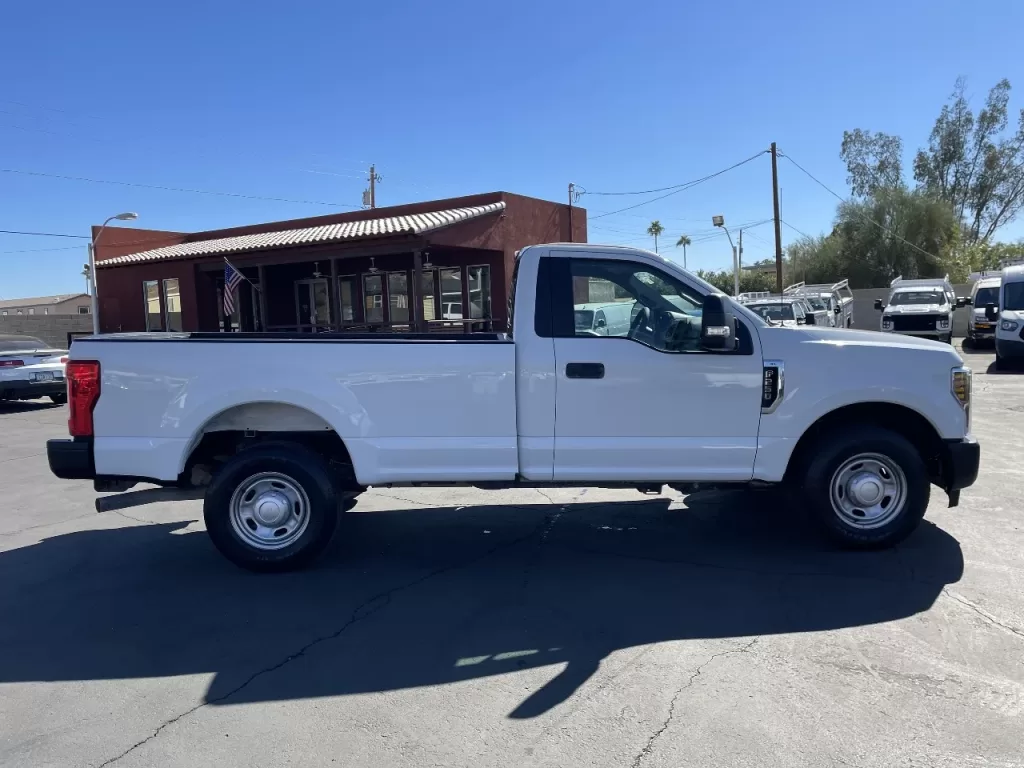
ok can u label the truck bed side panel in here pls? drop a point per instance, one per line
(406, 411)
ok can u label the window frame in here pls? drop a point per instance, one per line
(164, 305)
(557, 280)
(145, 305)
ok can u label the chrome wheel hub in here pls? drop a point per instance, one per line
(868, 491)
(269, 511)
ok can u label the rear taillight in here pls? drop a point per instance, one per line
(64, 359)
(11, 363)
(83, 378)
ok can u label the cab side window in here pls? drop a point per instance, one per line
(634, 301)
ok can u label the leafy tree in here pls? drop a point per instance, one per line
(873, 161)
(968, 164)
(749, 280)
(683, 241)
(891, 232)
(654, 230)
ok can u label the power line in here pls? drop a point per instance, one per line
(175, 189)
(799, 232)
(40, 234)
(663, 189)
(857, 213)
(44, 250)
(683, 187)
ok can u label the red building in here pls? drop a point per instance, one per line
(337, 272)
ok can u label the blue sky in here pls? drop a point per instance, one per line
(293, 100)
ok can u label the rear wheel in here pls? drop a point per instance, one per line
(272, 508)
(59, 399)
(868, 488)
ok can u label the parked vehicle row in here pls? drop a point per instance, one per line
(280, 432)
(30, 368)
(998, 300)
(788, 311)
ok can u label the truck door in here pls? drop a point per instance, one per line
(645, 402)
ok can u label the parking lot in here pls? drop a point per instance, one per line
(518, 628)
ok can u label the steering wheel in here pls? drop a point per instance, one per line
(638, 322)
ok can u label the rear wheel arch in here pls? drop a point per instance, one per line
(248, 425)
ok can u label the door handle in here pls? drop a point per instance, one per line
(584, 370)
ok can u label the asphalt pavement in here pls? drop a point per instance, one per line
(568, 627)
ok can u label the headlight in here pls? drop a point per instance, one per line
(943, 323)
(1008, 325)
(961, 386)
(886, 323)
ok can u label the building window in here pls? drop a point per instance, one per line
(172, 304)
(83, 310)
(151, 297)
(5, 312)
(480, 292)
(398, 297)
(31, 310)
(427, 292)
(373, 298)
(451, 294)
(347, 291)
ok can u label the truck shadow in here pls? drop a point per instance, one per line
(424, 597)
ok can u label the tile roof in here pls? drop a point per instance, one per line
(412, 224)
(39, 301)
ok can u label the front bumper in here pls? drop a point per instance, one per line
(71, 459)
(929, 334)
(981, 331)
(1009, 348)
(30, 390)
(961, 461)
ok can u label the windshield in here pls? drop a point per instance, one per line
(1013, 296)
(21, 344)
(816, 304)
(775, 312)
(584, 319)
(918, 297)
(986, 296)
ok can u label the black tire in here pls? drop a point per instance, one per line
(1000, 363)
(59, 399)
(300, 466)
(949, 339)
(831, 452)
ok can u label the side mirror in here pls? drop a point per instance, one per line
(837, 310)
(991, 312)
(601, 323)
(879, 305)
(962, 301)
(717, 325)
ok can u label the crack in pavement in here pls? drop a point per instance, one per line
(988, 617)
(364, 610)
(648, 748)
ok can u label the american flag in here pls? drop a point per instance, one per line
(232, 277)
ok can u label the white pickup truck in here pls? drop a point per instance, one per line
(280, 432)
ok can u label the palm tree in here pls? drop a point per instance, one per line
(684, 241)
(654, 230)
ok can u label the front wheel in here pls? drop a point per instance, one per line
(272, 508)
(868, 487)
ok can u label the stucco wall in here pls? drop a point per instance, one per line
(53, 329)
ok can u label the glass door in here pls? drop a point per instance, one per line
(312, 305)
(373, 298)
(349, 310)
(398, 298)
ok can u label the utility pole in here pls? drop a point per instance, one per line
(572, 187)
(735, 273)
(739, 260)
(778, 229)
(372, 195)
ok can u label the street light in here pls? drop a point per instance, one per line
(719, 221)
(128, 216)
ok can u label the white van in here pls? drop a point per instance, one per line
(1008, 315)
(985, 291)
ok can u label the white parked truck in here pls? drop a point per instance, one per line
(279, 432)
(838, 298)
(921, 307)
